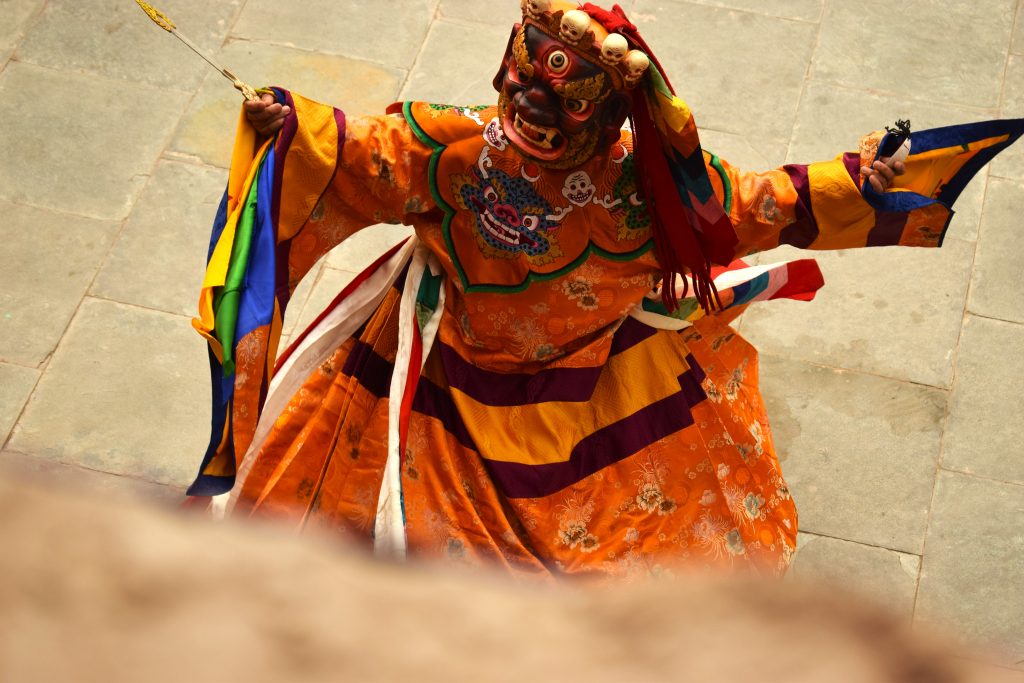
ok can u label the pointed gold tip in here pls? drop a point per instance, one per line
(161, 19)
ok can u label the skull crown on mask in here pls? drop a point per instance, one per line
(562, 98)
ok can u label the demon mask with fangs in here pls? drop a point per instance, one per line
(559, 103)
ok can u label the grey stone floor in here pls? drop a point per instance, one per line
(895, 396)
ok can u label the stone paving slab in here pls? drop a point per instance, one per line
(1010, 164)
(16, 384)
(739, 72)
(457, 64)
(983, 431)
(832, 120)
(207, 129)
(113, 38)
(742, 151)
(126, 393)
(62, 127)
(37, 302)
(803, 10)
(173, 216)
(389, 35)
(858, 452)
(996, 289)
(503, 14)
(18, 14)
(1017, 45)
(887, 311)
(972, 577)
(881, 576)
(953, 52)
(80, 480)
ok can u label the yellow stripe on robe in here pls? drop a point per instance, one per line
(541, 433)
(844, 217)
(316, 140)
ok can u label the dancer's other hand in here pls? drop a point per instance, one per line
(881, 174)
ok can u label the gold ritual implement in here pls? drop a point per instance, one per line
(164, 22)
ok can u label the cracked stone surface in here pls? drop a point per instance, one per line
(880, 575)
(971, 574)
(57, 170)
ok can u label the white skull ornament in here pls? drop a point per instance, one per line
(614, 49)
(579, 189)
(534, 8)
(574, 24)
(636, 65)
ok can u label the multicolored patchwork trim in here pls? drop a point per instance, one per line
(738, 285)
(246, 286)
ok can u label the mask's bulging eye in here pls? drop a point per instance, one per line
(558, 62)
(531, 223)
(577, 106)
(490, 195)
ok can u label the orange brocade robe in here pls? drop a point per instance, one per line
(554, 419)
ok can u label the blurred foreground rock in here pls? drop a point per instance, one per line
(104, 591)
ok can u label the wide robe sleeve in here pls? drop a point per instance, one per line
(829, 205)
(289, 201)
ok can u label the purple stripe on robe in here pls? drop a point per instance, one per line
(851, 160)
(889, 227)
(606, 446)
(514, 389)
(556, 384)
(804, 231)
(630, 333)
(370, 369)
(696, 373)
(283, 144)
(433, 401)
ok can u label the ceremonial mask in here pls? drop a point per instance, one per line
(564, 84)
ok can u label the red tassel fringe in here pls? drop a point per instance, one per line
(676, 241)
